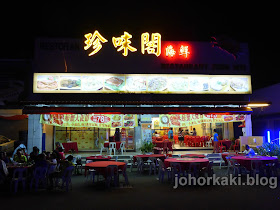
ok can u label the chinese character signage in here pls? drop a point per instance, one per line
(141, 83)
(183, 120)
(123, 43)
(90, 120)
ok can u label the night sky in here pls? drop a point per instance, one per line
(255, 24)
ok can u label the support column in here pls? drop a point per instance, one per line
(248, 126)
(34, 132)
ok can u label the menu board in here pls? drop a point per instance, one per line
(141, 83)
(183, 120)
(90, 120)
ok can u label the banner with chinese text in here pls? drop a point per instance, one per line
(90, 120)
(183, 120)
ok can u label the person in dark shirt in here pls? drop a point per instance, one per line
(34, 154)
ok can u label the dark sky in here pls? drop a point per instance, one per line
(255, 24)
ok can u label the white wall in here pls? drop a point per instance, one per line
(34, 132)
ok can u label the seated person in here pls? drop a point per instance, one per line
(249, 151)
(41, 161)
(156, 134)
(19, 157)
(3, 156)
(34, 154)
(3, 170)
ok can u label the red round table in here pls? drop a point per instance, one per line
(100, 166)
(146, 157)
(224, 155)
(193, 155)
(118, 144)
(185, 162)
(98, 158)
(246, 160)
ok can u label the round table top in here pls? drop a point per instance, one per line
(193, 155)
(104, 164)
(253, 158)
(98, 158)
(151, 155)
(186, 160)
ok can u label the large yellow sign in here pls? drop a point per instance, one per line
(123, 42)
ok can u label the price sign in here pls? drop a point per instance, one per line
(100, 118)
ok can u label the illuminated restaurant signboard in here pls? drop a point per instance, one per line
(141, 83)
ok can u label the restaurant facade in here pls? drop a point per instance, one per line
(84, 90)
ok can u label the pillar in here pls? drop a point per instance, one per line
(34, 132)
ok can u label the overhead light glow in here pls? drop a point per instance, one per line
(258, 104)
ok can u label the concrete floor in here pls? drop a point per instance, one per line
(145, 192)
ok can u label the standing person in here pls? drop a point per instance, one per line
(170, 134)
(215, 139)
(117, 135)
(181, 137)
(194, 132)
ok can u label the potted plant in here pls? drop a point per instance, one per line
(147, 147)
(268, 149)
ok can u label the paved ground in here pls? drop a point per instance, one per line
(146, 193)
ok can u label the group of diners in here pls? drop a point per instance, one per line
(35, 168)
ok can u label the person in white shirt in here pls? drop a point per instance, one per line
(249, 151)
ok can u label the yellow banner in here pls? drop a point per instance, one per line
(90, 120)
(183, 120)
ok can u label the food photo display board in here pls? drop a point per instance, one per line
(141, 83)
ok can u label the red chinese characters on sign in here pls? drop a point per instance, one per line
(100, 118)
(171, 51)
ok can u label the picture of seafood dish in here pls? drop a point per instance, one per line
(92, 83)
(114, 83)
(199, 83)
(219, 84)
(164, 120)
(157, 83)
(228, 118)
(128, 116)
(116, 124)
(178, 84)
(136, 83)
(240, 117)
(47, 82)
(117, 118)
(128, 123)
(70, 83)
(239, 84)
(175, 120)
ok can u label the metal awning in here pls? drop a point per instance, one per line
(136, 110)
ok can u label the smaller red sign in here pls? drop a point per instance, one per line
(100, 118)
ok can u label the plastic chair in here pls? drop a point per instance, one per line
(122, 147)
(232, 165)
(39, 175)
(78, 164)
(112, 173)
(165, 146)
(162, 169)
(257, 167)
(19, 175)
(194, 169)
(66, 178)
(102, 148)
(215, 158)
(176, 169)
(221, 146)
(112, 146)
(236, 145)
(152, 164)
(91, 172)
(123, 172)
